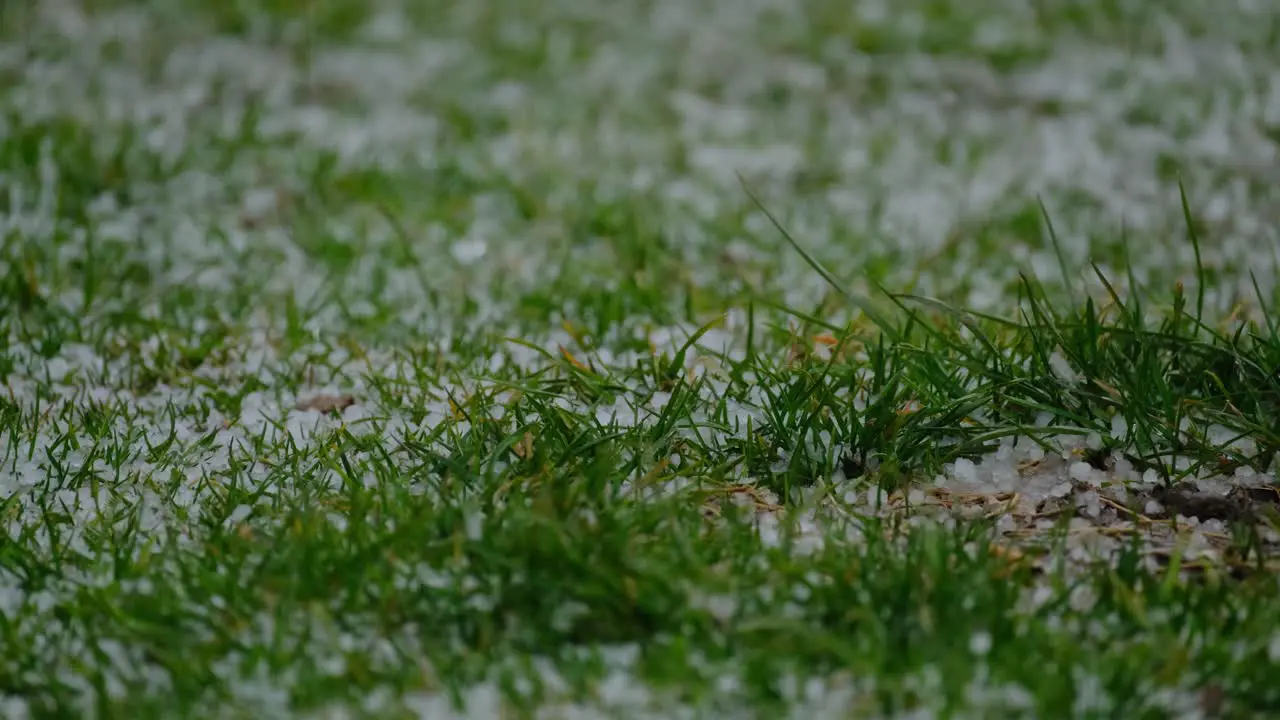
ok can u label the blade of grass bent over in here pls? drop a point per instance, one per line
(861, 303)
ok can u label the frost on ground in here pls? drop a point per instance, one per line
(254, 263)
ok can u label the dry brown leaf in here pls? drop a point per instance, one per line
(326, 403)
(1212, 698)
(524, 448)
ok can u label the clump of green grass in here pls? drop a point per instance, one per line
(431, 391)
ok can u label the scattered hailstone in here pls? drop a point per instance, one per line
(966, 471)
(469, 250)
(877, 497)
(58, 369)
(980, 643)
(1081, 471)
(258, 203)
(238, 515)
(1062, 368)
(1119, 427)
(12, 706)
(475, 526)
(1090, 504)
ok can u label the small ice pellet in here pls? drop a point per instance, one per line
(1090, 504)
(1119, 427)
(966, 471)
(1080, 471)
(980, 643)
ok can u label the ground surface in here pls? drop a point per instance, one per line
(667, 358)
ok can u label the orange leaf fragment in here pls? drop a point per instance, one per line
(573, 360)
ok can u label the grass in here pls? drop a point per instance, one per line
(684, 360)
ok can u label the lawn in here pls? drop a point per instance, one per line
(640, 359)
